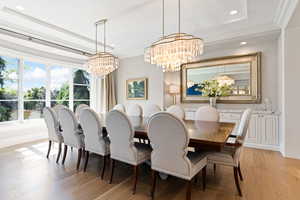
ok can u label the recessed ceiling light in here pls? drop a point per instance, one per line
(20, 8)
(233, 12)
(243, 43)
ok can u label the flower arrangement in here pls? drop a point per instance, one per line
(212, 88)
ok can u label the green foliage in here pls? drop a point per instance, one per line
(212, 88)
(81, 77)
(2, 69)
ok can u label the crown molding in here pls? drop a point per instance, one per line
(284, 12)
(52, 27)
(15, 50)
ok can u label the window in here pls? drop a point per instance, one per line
(8, 88)
(60, 85)
(26, 87)
(81, 88)
(34, 89)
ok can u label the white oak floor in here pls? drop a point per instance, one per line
(26, 174)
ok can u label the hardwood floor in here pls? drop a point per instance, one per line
(26, 174)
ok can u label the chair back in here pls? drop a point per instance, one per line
(134, 110)
(243, 127)
(151, 109)
(176, 110)
(57, 107)
(119, 107)
(92, 129)
(69, 125)
(169, 140)
(52, 124)
(121, 134)
(79, 108)
(207, 113)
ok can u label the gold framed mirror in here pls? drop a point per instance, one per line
(241, 72)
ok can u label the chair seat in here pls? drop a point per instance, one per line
(228, 156)
(143, 152)
(198, 160)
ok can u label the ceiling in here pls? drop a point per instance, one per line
(135, 24)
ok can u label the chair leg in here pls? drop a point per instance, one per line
(79, 158)
(215, 168)
(236, 179)
(112, 166)
(188, 190)
(86, 160)
(59, 152)
(204, 178)
(136, 173)
(154, 176)
(240, 172)
(49, 148)
(65, 154)
(103, 168)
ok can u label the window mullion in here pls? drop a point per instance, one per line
(48, 86)
(71, 90)
(20, 90)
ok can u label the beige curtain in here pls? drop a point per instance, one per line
(109, 91)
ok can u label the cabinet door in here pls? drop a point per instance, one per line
(269, 130)
(253, 130)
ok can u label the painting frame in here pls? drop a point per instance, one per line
(255, 74)
(131, 81)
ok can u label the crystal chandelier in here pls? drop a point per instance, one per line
(173, 50)
(102, 63)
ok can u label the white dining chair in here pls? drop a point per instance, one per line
(134, 110)
(207, 113)
(79, 108)
(54, 135)
(119, 107)
(94, 140)
(73, 137)
(122, 146)
(57, 107)
(176, 110)
(230, 155)
(169, 140)
(151, 109)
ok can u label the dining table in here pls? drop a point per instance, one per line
(204, 135)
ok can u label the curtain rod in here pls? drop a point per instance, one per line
(43, 42)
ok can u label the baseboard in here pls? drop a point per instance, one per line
(263, 146)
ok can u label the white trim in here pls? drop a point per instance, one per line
(263, 146)
(50, 26)
(284, 12)
(15, 50)
(20, 90)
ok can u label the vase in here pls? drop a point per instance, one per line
(213, 101)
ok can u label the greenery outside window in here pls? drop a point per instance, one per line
(81, 88)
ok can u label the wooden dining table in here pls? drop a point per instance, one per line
(203, 134)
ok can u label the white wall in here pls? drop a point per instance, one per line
(135, 67)
(269, 69)
(291, 82)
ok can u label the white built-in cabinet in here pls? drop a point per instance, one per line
(263, 129)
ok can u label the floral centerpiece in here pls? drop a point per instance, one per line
(214, 89)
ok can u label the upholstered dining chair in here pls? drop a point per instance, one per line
(134, 110)
(151, 109)
(176, 110)
(54, 135)
(79, 108)
(119, 107)
(94, 140)
(169, 140)
(57, 107)
(73, 137)
(122, 146)
(207, 113)
(230, 155)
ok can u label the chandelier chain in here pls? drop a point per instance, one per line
(179, 16)
(163, 18)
